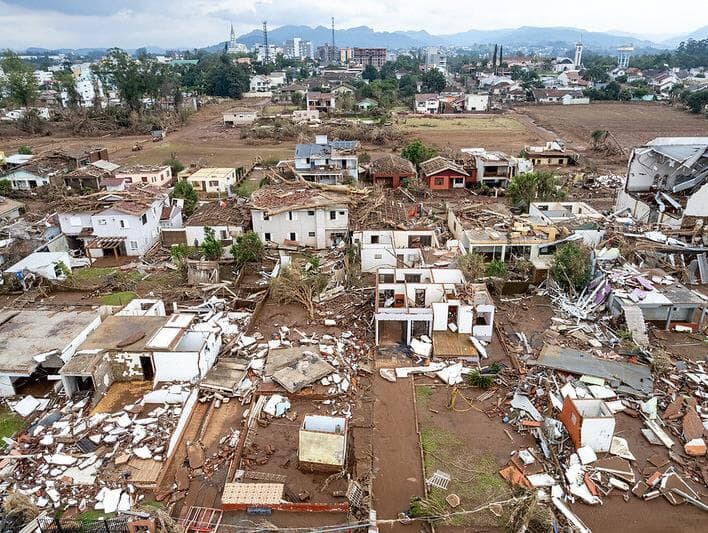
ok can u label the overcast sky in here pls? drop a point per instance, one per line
(197, 23)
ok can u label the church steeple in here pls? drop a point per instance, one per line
(233, 34)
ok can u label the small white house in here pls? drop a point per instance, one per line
(427, 104)
(155, 175)
(239, 117)
(476, 102)
(211, 181)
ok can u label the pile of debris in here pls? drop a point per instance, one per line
(580, 457)
(69, 456)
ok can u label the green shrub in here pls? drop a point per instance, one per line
(496, 268)
(571, 266)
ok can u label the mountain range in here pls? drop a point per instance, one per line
(525, 36)
(516, 37)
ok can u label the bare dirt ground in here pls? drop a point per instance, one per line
(397, 464)
(204, 140)
(632, 124)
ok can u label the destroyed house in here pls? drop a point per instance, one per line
(494, 169)
(322, 102)
(667, 182)
(391, 171)
(550, 154)
(412, 302)
(148, 347)
(439, 173)
(35, 344)
(85, 179)
(298, 214)
(228, 219)
(654, 301)
(78, 158)
(37, 172)
(10, 209)
(117, 224)
(565, 213)
(402, 249)
(392, 249)
(504, 237)
(327, 162)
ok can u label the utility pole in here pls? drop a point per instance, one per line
(265, 41)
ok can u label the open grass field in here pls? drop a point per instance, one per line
(632, 124)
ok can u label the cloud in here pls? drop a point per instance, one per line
(81, 7)
(196, 23)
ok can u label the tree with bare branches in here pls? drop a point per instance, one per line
(299, 284)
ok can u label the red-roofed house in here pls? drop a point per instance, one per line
(440, 173)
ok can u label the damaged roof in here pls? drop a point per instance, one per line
(295, 195)
(117, 332)
(27, 333)
(438, 164)
(220, 213)
(390, 164)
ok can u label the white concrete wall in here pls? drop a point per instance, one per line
(597, 433)
(697, 204)
(175, 366)
(308, 229)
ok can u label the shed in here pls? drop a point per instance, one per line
(49, 265)
(589, 422)
(322, 443)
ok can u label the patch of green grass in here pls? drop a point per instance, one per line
(10, 423)
(118, 298)
(246, 188)
(474, 478)
(92, 273)
(423, 392)
(151, 504)
(437, 441)
(91, 515)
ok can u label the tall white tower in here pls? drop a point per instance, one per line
(624, 52)
(578, 55)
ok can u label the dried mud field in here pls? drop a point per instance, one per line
(632, 124)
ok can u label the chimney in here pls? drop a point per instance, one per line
(321, 139)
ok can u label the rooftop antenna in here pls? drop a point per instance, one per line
(333, 39)
(265, 41)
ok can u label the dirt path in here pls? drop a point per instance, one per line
(397, 456)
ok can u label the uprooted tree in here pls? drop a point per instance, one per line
(247, 248)
(299, 284)
(534, 186)
(571, 266)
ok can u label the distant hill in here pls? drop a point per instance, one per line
(523, 36)
(700, 33)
